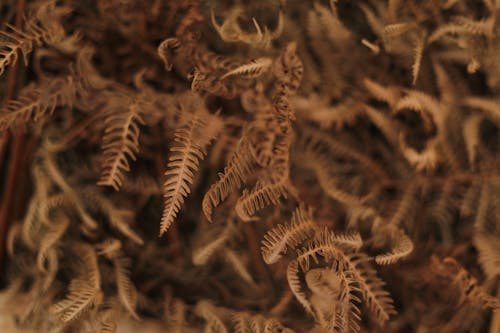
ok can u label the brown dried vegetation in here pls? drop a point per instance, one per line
(309, 166)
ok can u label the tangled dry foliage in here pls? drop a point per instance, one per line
(309, 166)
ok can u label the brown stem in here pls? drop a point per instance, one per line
(16, 158)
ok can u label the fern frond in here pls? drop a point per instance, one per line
(489, 106)
(348, 241)
(483, 207)
(110, 248)
(120, 142)
(236, 262)
(203, 253)
(488, 247)
(240, 322)
(288, 69)
(377, 299)
(36, 101)
(263, 194)
(384, 123)
(483, 27)
(214, 322)
(295, 284)
(322, 247)
(396, 29)
(471, 135)
(119, 219)
(81, 296)
(246, 323)
(175, 314)
(108, 324)
(84, 291)
(186, 154)
(22, 42)
(335, 30)
(279, 239)
(350, 314)
(402, 248)
(389, 95)
(126, 289)
(56, 176)
(235, 173)
(50, 238)
(405, 205)
(373, 20)
(417, 57)
(329, 184)
(252, 69)
(322, 147)
(334, 299)
(467, 285)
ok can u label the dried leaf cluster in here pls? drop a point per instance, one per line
(308, 166)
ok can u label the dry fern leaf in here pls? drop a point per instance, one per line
(230, 30)
(426, 159)
(322, 147)
(334, 299)
(348, 241)
(417, 57)
(281, 238)
(235, 173)
(203, 253)
(120, 142)
(57, 177)
(212, 316)
(163, 51)
(335, 30)
(377, 299)
(483, 27)
(321, 246)
(189, 149)
(236, 262)
(175, 314)
(396, 29)
(405, 205)
(384, 123)
(23, 42)
(82, 295)
(328, 183)
(402, 248)
(108, 324)
(268, 190)
(50, 238)
(289, 70)
(318, 110)
(246, 323)
(490, 107)
(263, 194)
(126, 289)
(36, 101)
(110, 248)
(295, 284)
(468, 286)
(119, 219)
(471, 134)
(84, 291)
(390, 95)
(488, 247)
(252, 69)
